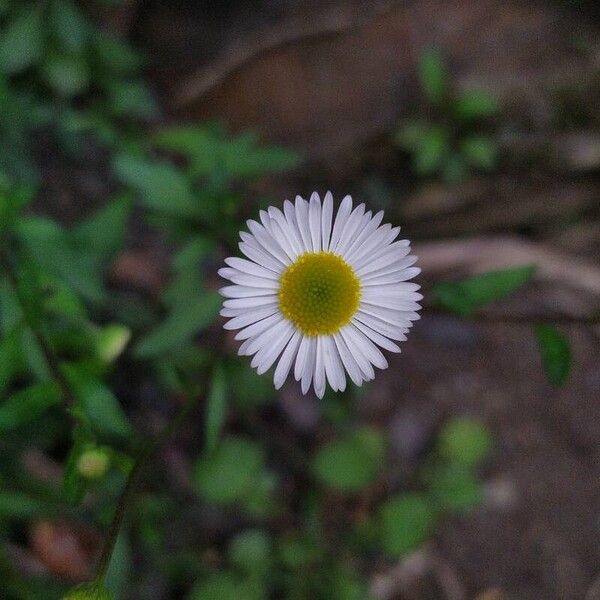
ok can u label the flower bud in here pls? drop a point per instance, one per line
(93, 463)
(111, 342)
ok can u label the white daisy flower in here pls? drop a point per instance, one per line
(320, 298)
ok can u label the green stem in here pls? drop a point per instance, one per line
(128, 492)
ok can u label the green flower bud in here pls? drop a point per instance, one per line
(89, 591)
(111, 342)
(93, 463)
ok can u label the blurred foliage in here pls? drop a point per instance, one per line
(449, 140)
(79, 354)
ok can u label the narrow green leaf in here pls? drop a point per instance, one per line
(18, 505)
(464, 297)
(432, 150)
(216, 408)
(22, 41)
(28, 404)
(556, 353)
(432, 76)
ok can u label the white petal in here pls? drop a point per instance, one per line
(333, 365)
(302, 221)
(319, 377)
(251, 268)
(243, 291)
(348, 239)
(348, 360)
(349, 335)
(287, 358)
(380, 259)
(309, 364)
(257, 254)
(371, 352)
(374, 241)
(267, 241)
(268, 337)
(247, 280)
(340, 221)
(236, 312)
(393, 332)
(314, 221)
(266, 356)
(400, 318)
(402, 264)
(326, 216)
(397, 277)
(292, 221)
(376, 337)
(283, 239)
(349, 228)
(251, 302)
(301, 358)
(250, 317)
(364, 236)
(288, 231)
(258, 327)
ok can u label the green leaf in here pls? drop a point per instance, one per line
(474, 105)
(180, 326)
(219, 586)
(216, 408)
(464, 441)
(454, 169)
(454, 487)
(67, 75)
(69, 25)
(432, 150)
(211, 151)
(28, 404)
(114, 56)
(410, 134)
(250, 551)
(556, 353)
(22, 41)
(132, 99)
(229, 473)
(350, 463)
(88, 591)
(161, 186)
(432, 76)
(73, 483)
(11, 359)
(120, 568)
(406, 521)
(55, 252)
(464, 297)
(98, 403)
(480, 152)
(104, 232)
(18, 505)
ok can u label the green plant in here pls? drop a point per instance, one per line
(450, 139)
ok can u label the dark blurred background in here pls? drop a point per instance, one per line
(470, 469)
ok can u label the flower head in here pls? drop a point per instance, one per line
(320, 295)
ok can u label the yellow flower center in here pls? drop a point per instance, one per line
(319, 293)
